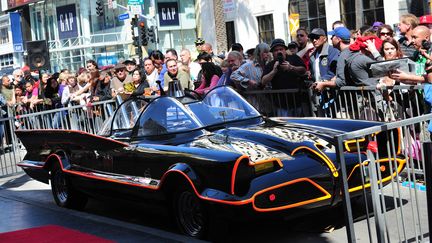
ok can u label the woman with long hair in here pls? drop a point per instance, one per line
(209, 78)
(138, 85)
(390, 50)
(385, 32)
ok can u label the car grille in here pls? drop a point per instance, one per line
(289, 195)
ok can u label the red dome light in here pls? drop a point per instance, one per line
(272, 197)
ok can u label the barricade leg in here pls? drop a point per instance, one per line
(428, 174)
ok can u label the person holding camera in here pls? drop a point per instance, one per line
(285, 72)
(422, 56)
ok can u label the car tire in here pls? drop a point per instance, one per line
(190, 214)
(63, 193)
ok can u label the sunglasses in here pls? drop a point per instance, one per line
(314, 37)
(120, 70)
(386, 33)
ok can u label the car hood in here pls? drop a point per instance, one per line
(272, 139)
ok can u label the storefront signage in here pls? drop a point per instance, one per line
(294, 23)
(168, 14)
(229, 6)
(17, 3)
(135, 2)
(135, 9)
(17, 40)
(107, 60)
(66, 21)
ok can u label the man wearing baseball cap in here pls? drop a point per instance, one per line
(322, 66)
(340, 38)
(323, 59)
(198, 44)
(130, 66)
(426, 20)
(285, 72)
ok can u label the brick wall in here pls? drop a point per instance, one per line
(221, 41)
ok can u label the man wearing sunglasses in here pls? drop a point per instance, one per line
(198, 44)
(121, 78)
(304, 47)
(323, 63)
(323, 60)
(340, 40)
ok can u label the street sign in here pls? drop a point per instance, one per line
(135, 2)
(135, 9)
(123, 16)
(18, 47)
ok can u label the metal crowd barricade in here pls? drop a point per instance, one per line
(396, 212)
(286, 102)
(349, 102)
(369, 103)
(88, 118)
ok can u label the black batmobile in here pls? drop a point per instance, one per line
(207, 157)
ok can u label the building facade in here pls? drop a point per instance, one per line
(252, 21)
(76, 31)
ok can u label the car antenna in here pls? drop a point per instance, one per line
(162, 91)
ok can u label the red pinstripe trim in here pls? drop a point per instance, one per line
(58, 159)
(235, 168)
(326, 196)
(321, 155)
(233, 203)
(236, 203)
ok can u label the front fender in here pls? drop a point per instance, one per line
(181, 173)
(60, 158)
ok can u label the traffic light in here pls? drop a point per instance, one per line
(143, 33)
(134, 25)
(151, 34)
(99, 8)
(134, 29)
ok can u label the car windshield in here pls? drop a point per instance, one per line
(125, 117)
(166, 115)
(223, 105)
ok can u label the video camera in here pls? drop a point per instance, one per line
(383, 68)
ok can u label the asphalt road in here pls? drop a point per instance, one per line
(27, 203)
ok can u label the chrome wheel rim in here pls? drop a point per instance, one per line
(190, 213)
(60, 187)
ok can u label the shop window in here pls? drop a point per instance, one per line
(265, 28)
(373, 10)
(312, 13)
(4, 37)
(6, 60)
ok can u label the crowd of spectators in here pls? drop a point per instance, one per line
(311, 61)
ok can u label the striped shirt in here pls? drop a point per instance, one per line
(246, 72)
(407, 48)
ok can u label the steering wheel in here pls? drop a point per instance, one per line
(192, 94)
